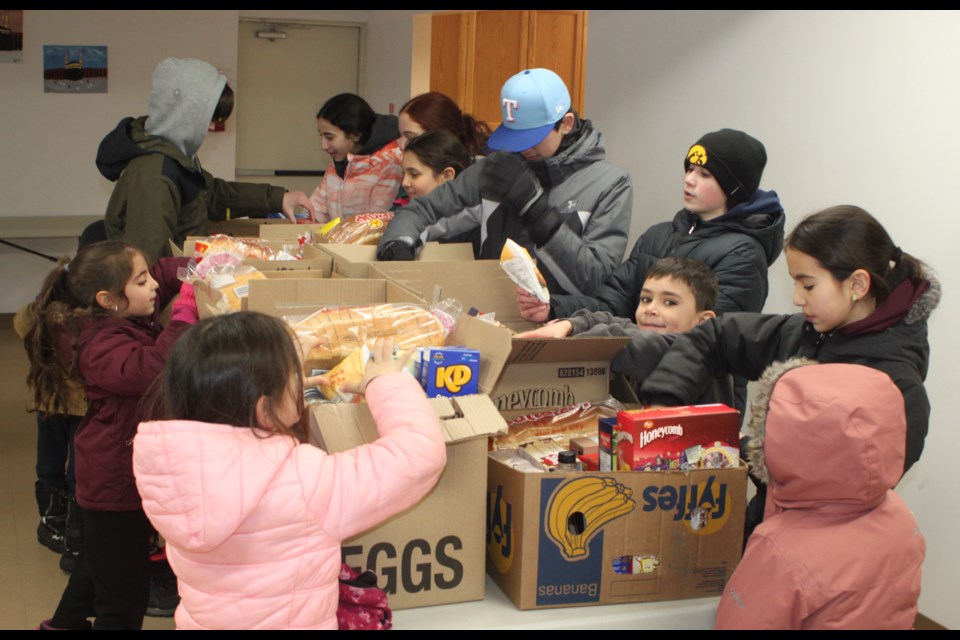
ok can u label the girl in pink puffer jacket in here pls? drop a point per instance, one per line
(253, 516)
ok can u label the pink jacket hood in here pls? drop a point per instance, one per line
(852, 449)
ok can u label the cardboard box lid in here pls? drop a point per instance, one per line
(355, 260)
(287, 294)
(338, 427)
(481, 284)
(498, 348)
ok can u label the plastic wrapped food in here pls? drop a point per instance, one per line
(518, 264)
(342, 330)
(559, 424)
(363, 228)
(244, 248)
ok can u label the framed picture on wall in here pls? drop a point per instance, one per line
(74, 69)
(11, 35)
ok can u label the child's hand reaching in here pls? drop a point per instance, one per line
(382, 362)
(185, 307)
(553, 329)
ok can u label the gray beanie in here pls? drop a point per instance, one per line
(185, 95)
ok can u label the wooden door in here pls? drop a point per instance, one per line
(558, 42)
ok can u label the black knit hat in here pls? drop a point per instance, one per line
(735, 159)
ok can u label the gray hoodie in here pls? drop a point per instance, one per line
(185, 95)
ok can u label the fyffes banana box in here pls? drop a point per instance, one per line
(449, 371)
(688, 437)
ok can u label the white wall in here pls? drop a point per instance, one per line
(853, 107)
(49, 141)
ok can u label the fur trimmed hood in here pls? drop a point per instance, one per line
(826, 434)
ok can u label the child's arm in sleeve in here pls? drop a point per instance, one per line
(354, 490)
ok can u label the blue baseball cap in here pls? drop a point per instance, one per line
(531, 102)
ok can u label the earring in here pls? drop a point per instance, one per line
(853, 297)
(116, 307)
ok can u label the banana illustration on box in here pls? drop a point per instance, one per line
(581, 507)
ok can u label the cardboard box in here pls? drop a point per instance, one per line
(290, 296)
(572, 539)
(481, 284)
(309, 262)
(288, 231)
(355, 260)
(526, 374)
(245, 227)
(433, 553)
(674, 437)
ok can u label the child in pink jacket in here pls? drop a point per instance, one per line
(253, 517)
(837, 548)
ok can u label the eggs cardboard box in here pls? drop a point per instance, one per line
(538, 373)
(589, 538)
(677, 437)
(434, 552)
(355, 260)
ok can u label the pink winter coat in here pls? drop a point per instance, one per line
(370, 183)
(837, 548)
(253, 524)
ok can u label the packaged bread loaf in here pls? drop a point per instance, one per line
(521, 268)
(363, 228)
(234, 287)
(341, 330)
(556, 424)
(247, 248)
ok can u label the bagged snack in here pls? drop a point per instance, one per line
(560, 424)
(363, 228)
(243, 248)
(342, 330)
(518, 264)
(348, 373)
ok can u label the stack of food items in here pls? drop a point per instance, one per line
(339, 339)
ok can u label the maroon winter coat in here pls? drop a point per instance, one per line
(118, 360)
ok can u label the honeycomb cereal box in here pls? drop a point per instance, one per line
(681, 438)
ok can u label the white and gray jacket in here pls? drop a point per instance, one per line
(594, 197)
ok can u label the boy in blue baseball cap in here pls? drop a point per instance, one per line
(547, 186)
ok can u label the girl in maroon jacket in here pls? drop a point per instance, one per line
(98, 323)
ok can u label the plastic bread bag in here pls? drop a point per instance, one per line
(518, 264)
(321, 236)
(572, 421)
(243, 248)
(232, 283)
(346, 375)
(447, 311)
(363, 228)
(338, 331)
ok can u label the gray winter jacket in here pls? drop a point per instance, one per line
(594, 197)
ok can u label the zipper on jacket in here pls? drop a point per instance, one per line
(693, 228)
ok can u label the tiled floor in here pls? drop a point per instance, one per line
(30, 578)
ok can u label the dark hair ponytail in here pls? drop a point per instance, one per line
(440, 149)
(846, 238)
(351, 114)
(435, 111)
(68, 295)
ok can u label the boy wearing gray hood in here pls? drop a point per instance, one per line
(162, 192)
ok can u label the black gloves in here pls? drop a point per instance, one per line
(507, 179)
(396, 250)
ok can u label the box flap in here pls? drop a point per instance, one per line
(339, 427)
(289, 231)
(586, 349)
(493, 343)
(481, 284)
(273, 294)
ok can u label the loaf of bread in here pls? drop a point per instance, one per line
(342, 330)
(363, 228)
(234, 287)
(245, 248)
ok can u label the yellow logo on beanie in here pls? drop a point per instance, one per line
(697, 155)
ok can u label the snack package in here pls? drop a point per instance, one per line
(243, 248)
(348, 373)
(341, 330)
(518, 264)
(363, 228)
(234, 285)
(578, 420)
